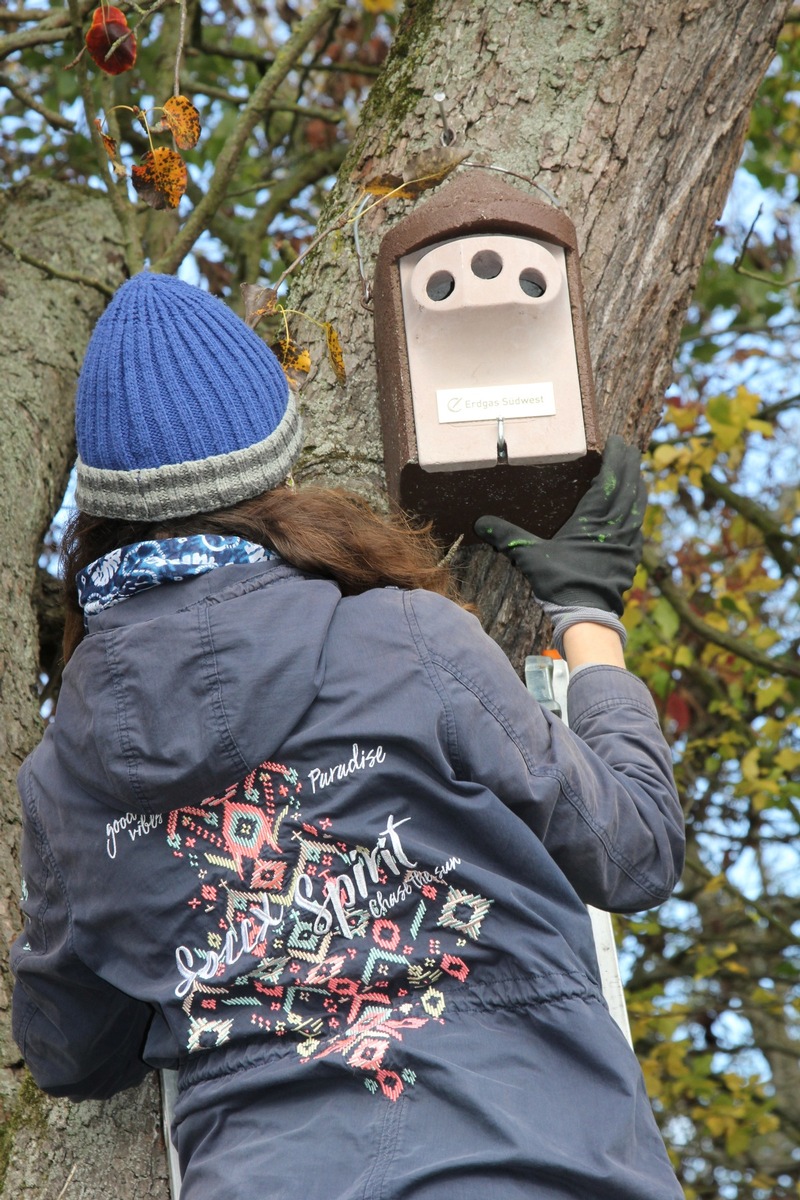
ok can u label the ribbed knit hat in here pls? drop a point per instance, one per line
(181, 408)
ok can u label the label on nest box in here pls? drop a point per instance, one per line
(506, 400)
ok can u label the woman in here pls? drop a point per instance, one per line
(299, 831)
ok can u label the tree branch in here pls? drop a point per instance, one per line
(775, 536)
(23, 16)
(54, 119)
(265, 62)
(310, 169)
(55, 272)
(52, 26)
(660, 575)
(228, 161)
(763, 911)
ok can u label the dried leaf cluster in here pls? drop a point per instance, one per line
(260, 302)
(160, 178)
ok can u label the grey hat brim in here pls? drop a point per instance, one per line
(180, 489)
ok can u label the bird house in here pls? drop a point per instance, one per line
(484, 376)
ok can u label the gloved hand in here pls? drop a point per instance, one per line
(590, 562)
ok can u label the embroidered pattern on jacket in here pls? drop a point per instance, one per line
(344, 949)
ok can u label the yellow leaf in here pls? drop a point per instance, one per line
(726, 950)
(184, 121)
(750, 764)
(384, 185)
(335, 352)
(717, 1125)
(422, 171)
(744, 404)
(665, 456)
(716, 621)
(292, 356)
(295, 360)
(788, 760)
(768, 691)
(763, 427)
(683, 419)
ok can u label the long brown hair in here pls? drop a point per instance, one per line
(324, 530)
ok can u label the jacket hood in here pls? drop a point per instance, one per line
(177, 693)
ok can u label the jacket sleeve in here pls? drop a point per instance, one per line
(80, 1037)
(599, 795)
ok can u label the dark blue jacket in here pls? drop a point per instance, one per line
(328, 858)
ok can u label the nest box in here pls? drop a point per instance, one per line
(486, 396)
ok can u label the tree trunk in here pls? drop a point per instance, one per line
(633, 112)
(101, 1149)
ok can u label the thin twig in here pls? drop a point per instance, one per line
(176, 87)
(758, 275)
(747, 237)
(265, 63)
(30, 37)
(70, 1177)
(366, 287)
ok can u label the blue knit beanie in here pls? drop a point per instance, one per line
(181, 408)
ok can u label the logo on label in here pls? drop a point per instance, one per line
(507, 401)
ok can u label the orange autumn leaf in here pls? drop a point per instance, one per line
(108, 142)
(183, 120)
(160, 179)
(335, 352)
(108, 26)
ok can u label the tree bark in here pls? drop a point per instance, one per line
(100, 1149)
(632, 114)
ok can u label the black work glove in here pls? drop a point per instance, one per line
(591, 561)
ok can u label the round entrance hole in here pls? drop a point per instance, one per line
(440, 285)
(486, 264)
(532, 282)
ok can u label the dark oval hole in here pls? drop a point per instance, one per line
(532, 282)
(486, 264)
(440, 285)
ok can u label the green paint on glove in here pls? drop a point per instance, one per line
(592, 559)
